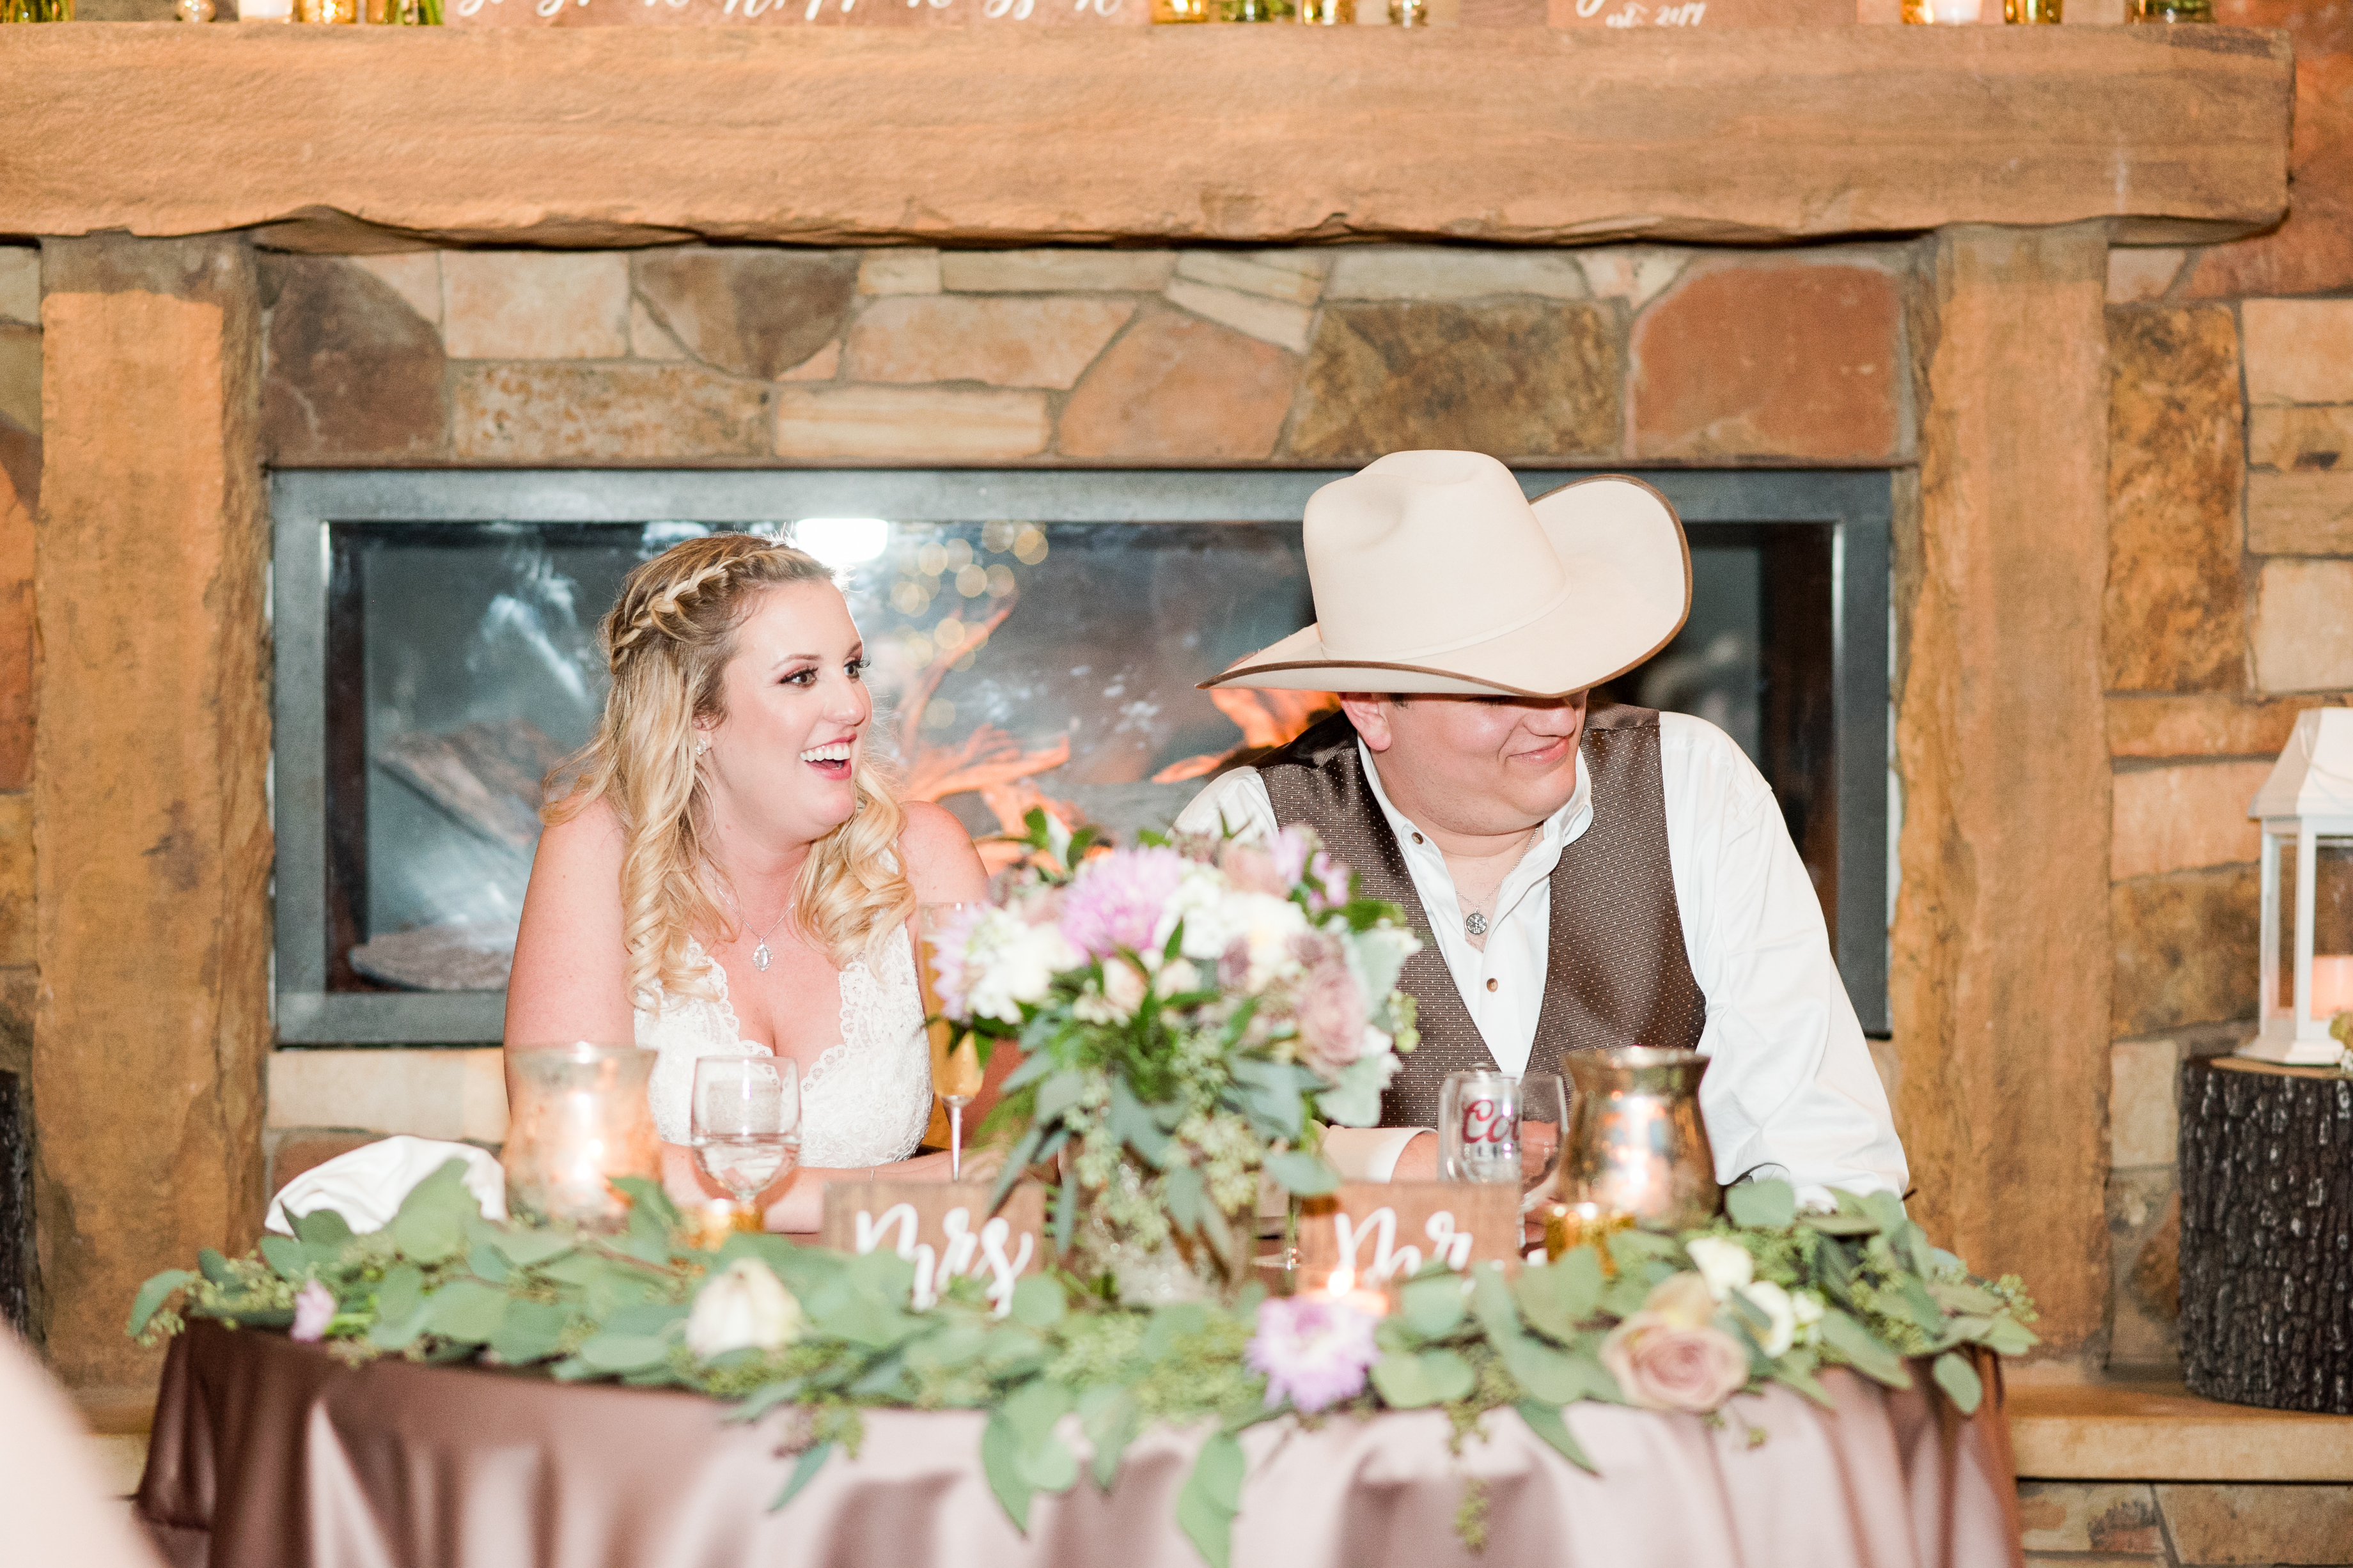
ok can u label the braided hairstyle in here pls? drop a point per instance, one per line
(668, 639)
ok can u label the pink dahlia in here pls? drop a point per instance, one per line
(1115, 901)
(1314, 1351)
(950, 942)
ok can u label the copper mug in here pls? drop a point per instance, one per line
(1637, 1148)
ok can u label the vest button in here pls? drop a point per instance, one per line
(1416, 839)
(1490, 984)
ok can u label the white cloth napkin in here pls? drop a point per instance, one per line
(366, 1185)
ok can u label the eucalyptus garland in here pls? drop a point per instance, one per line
(763, 1322)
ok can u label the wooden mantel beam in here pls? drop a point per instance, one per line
(365, 138)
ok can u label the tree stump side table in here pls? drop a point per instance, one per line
(2267, 1233)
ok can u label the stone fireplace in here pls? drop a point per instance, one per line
(1861, 250)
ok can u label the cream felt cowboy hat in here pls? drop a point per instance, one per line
(1432, 573)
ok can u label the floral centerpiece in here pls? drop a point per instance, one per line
(1682, 1324)
(1192, 1012)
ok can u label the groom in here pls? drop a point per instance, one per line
(1587, 877)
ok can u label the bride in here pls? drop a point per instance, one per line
(730, 874)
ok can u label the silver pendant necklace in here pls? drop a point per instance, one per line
(1473, 924)
(761, 956)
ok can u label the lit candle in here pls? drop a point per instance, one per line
(1342, 1290)
(2332, 984)
(1954, 13)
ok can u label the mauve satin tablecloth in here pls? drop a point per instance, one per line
(267, 1453)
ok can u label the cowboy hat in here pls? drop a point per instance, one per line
(1432, 573)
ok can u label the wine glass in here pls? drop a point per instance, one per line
(746, 1125)
(956, 1072)
(1543, 1124)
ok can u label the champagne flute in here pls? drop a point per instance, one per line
(956, 1072)
(746, 1125)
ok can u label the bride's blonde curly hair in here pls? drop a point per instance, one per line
(667, 640)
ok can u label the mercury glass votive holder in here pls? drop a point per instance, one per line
(1943, 13)
(1167, 13)
(2020, 12)
(577, 1118)
(1328, 13)
(2170, 10)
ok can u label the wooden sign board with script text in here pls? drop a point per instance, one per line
(946, 1230)
(1385, 1231)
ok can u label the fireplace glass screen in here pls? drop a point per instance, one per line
(1034, 640)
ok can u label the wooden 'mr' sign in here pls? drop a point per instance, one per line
(1385, 1231)
(944, 1230)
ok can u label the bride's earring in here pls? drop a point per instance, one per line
(701, 745)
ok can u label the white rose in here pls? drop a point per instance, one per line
(1174, 978)
(1009, 962)
(1725, 1264)
(1195, 902)
(1265, 925)
(747, 1306)
(1123, 988)
(1807, 1310)
(1774, 1303)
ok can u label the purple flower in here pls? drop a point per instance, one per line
(1293, 848)
(1314, 1351)
(314, 1309)
(950, 941)
(1115, 901)
(1332, 877)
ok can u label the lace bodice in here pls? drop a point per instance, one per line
(864, 1103)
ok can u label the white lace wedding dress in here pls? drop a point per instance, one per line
(864, 1103)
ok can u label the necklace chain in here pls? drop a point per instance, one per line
(1474, 919)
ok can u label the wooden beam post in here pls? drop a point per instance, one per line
(2002, 959)
(151, 762)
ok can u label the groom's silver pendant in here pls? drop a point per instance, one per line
(1473, 924)
(760, 956)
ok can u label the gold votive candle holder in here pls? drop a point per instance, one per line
(328, 11)
(2032, 12)
(1409, 12)
(2164, 11)
(708, 1225)
(1328, 13)
(1178, 12)
(1571, 1225)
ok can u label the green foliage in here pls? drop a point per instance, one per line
(440, 1283)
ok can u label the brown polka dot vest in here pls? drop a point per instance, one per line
(1616, 971)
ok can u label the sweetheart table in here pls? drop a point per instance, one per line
(270, 1452)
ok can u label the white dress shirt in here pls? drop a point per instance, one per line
(1792, 1092)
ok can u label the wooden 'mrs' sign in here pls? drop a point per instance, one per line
(1383, 1232)
(944, 1230)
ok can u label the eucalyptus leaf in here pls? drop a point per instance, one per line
(1355, 1099)
(1269, 1095)
(1430, 1378)
(1772, 1205)
(1211, 1498)
(1298, 1172)
(215, 1267)
(2009, 1337)
(467, 1310)
(1433, 1305)
(1000, 1461)
(1039, 1301)
(955, 1345)
(1056, 1095)
(528, 1331)
(153, 1294)
(321, 1227)
(486, 1262)
(1558, 1376)
(1959, 1296)
(1178, 1320)
(1840, 1224)
(288, 1257)
(1959, 1380)
(1491, 1303)
(647, 1198)
(1134, 1125)
(431, 1225)
(1558, 1298)
(1111, 1417)
(400, 1307)
(1863, 1351)
(805, 1469)
(1186, 1196)
(624, 1353)
(1547, 1421)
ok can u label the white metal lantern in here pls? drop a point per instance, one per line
(2307, 811)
